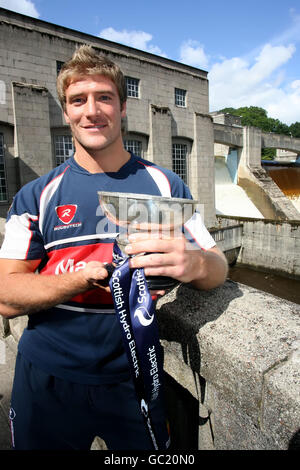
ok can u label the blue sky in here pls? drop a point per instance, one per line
(251, 49)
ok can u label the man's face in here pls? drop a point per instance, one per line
(94, 113)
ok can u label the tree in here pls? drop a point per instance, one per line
(295, 129)
(251, 116)
(258, 117)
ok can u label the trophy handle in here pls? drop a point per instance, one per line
(161, 282)
(110, 269)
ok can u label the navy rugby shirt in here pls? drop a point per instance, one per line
(57, 219)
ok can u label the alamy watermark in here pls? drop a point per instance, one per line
(158, 220)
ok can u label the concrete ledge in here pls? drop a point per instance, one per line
(245, 344)
(236, 350)
(280, 406)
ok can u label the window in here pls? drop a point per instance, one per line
(179, 160)
(63, 148)
(3, 185)
(132, 87)
(180, 97)
(58, 66)
(134, 146)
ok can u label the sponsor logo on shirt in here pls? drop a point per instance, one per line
(69, 265)
(74, 258)
(66, 214)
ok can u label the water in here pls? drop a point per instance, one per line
(285, 288)
(231, 199)
(287, 178)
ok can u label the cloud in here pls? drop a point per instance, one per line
(258, 78)
(26, 7)
(259, 82)
(192, 53)
(137, 39)
(285, 104)
(295, 85)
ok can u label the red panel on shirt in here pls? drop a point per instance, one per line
(73, 259)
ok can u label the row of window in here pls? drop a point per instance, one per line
(133, 89)
(64, 149)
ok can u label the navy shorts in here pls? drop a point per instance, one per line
(50, 413)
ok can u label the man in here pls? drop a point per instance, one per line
(72, 380)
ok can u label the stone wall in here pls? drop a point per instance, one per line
(236, 350)
(271, 245)
(267, 244)
(232, 359)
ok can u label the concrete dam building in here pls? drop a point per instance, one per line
(167, 108)
(168, 122)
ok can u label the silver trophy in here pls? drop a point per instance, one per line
(157, 216)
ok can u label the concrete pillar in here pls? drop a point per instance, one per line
(251, 153)
(32, 131)
(160, 140)
(202, 166)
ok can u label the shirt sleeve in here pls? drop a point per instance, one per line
(22, 238)
(197, 234)
(194, 229)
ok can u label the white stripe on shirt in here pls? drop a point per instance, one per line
(17, 236)
(160, 179)
(86, 310)
(46, 196)
(95, 236)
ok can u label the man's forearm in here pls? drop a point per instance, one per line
(215, 272)
(25, 293)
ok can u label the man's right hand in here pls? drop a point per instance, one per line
(95, 272)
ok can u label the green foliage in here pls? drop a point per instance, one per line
(295, 129)
(268, 154)
(258, 117)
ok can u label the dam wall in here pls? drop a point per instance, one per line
(257, 184)
(261, 188)
(270, 245)
(230, 198)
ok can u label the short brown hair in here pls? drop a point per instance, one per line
(85, 61)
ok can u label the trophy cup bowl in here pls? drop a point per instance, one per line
(156, 215)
